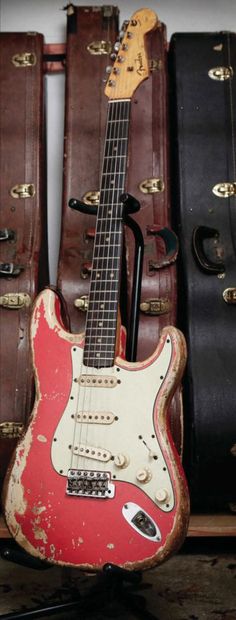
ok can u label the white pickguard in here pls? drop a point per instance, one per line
(129, 440)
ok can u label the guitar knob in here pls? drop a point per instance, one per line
(162, 495)
(121, 460)
(144, 475)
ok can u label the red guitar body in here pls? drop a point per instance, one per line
(146, 517)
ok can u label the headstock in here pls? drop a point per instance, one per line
(131, 65)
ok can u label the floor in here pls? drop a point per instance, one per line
(199, 583)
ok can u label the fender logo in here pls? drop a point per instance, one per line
(139, 64)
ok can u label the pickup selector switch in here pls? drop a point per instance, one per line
(143, 475)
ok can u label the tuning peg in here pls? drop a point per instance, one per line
(117, 46)
(109, 69)
(125, 25)
(113, 56)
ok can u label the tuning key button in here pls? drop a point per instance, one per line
(121, 460)
(162, 495)
(143, 475)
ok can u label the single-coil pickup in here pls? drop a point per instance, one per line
(89, 452)
(97, 381)
(95, 417)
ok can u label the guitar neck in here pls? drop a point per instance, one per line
(101, 323)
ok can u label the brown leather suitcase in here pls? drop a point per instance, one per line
(148, 180)
(91, 34)
(23, 247)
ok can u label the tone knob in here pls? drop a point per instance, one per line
(143, 475)
(121, 460)
(162, 495)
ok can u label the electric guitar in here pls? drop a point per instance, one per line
(96, 477)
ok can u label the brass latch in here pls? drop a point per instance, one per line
(97, 48)
(221, 73)
(26, 59)
(23, 190)
(229, 295)
(15, 301)
(82, 303)
(155, 307)
(91, 198)
(224, 190)
(11, 430)
(155, 64)
(152, 185)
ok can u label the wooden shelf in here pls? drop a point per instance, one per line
(200, 525)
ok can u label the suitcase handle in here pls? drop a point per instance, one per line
(171, 245)
(200, 233)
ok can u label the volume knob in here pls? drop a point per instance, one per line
(144, 475)
(162, 495)
(121, 460)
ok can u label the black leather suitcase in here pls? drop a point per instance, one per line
(203, 114)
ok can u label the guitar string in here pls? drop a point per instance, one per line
(118, 169)
(82, 409)
(90, 332)
(108, 228)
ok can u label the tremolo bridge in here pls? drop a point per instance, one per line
(83, 483)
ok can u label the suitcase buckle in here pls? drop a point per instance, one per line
(23, 190)
(26, 59)
(91, 198)
(155, 307)
(229, 295)
(221, 73)
(82, 303)
(6, 234)
(9, 269)
(11, 430)
(151, 186)
(98, 48)
(15, 301)
(224, 190)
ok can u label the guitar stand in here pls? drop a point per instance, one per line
(113, 584)
(111, 596)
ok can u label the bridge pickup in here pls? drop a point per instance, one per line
(83, 483)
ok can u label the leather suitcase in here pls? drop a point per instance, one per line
(23, 247)
(84, 135)
(91, 34)
(203, 82)
(148, 180)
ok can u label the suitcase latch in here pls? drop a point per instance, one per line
(91, 198)
(221, 73)
(98, 48)
(26, 59)
(10, 269)
(82, 303)
(151, 186)
(15, 301)
(6, 234)
(224, 190)
(23, 190)
(229, 295)
(156, 307)
(11, 430)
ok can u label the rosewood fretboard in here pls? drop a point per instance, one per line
(101, 324)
